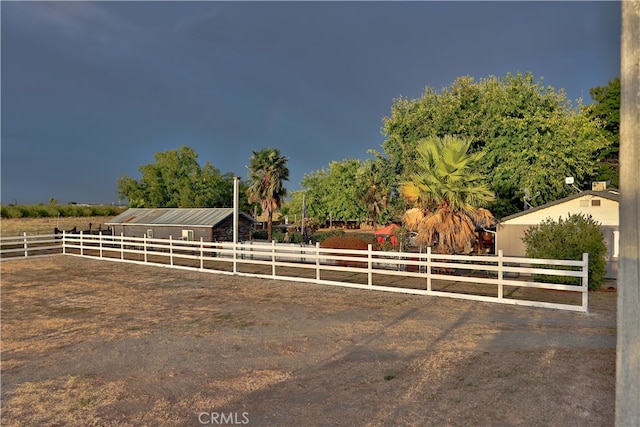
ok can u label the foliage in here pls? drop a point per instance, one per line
(531, 136)
(320, 237)
(446, 171)
(346, 241)
(267, 171)
(350, 189)
(568, 239)
(446, 192)
(176, 179)
(53, 210)
(375, 191)
(606, 110)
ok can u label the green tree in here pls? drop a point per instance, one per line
(606, 110)
(375, 186)
(568, 239)
(532, 136)
(446, 191)
(267, 171)
(176, 179)
(347, 190)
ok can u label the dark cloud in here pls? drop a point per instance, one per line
(91, 90)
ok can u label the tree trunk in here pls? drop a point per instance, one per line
(628, 351)
(270, 225)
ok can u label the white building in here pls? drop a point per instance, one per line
(603, 206)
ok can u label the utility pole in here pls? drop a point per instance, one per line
(235, 209)
(628, 345)
(304, 214)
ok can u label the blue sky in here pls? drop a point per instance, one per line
(91, 90)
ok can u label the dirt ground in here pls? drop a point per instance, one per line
(88, 342)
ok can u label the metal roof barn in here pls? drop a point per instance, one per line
(210, 224)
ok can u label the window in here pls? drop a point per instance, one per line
(187, 235)
(616, 243)
(595, 202)
(584, 203)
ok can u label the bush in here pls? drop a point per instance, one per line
(11, 211)
(347, 241)
(276, 235)
(320, 237)
(569, 239)
(52, 210)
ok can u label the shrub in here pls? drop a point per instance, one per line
(569, 239)
(276, 235)
(346, 241)
(320, 237)
(11, 211)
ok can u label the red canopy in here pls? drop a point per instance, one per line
(386, 231)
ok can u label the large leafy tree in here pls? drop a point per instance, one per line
(267, 172)
(331, 193)
(532, 136)
(350, 189)
(176, 180)
(446, 191)
(606, 110)
(376, 190)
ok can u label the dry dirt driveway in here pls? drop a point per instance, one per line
(87, 342)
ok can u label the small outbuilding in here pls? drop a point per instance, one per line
(603, 207)
(210, 224)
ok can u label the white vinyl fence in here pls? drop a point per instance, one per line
(498, 278)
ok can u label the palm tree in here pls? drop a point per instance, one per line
(446, 192)
(267, 171)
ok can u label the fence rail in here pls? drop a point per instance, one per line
(510, 280)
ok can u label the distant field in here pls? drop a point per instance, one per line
(17, 226)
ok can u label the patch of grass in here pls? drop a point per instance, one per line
(469, 382)
(389, 377)
(504, 373)
(244, 325)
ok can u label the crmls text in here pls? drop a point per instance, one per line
(220, 418)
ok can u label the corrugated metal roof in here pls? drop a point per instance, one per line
(174, 216)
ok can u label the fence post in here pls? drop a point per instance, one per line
(201, 253)
(170, 249)
(273, 258)
(235, 257)
(369, 265)
(585, 281)
(318, 261)
(144, 245)
(122, 245)
(100, 237)
(500, 275)
(429, 269)
(26, 245)
(64, 242)
(81, 247)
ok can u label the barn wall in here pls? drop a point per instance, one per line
(163, 231)
(223, 231)
(509, 239)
